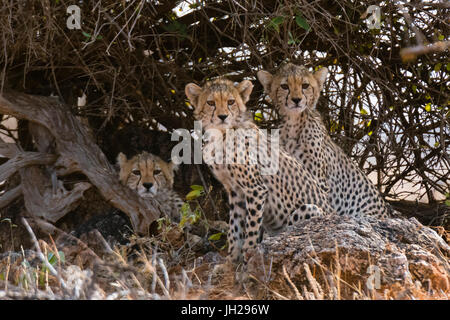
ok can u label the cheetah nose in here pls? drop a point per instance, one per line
(222, 116)
(147, 185)
(296, 100)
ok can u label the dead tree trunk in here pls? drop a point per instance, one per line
(74, 145)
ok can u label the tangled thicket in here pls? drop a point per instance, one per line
(133, 58)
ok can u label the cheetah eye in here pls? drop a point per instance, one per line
(156, 172)
(284, 86)
(136, 172)
(230, 102)
(305, 86)
(211, 103)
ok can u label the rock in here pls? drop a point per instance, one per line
(350, 256)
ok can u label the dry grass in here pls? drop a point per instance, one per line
(164, 267)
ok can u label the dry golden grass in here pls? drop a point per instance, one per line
(166, 267)
(146, 275)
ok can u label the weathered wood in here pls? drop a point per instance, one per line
(65, 166)
(9, 196)
(8, 150)
(42, 138)
(73, 142)
(45, 200)
(23, 159)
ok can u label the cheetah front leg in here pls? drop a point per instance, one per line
(255, 200)
(236, 229)
(306, 211)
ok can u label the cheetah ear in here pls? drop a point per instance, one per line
(121, 159)
(245, 88)
(266, 79)
(320, 76)
(123, 170)
(192, 92)
(172, 166)
(169, 172)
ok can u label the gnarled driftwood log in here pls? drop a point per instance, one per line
(73, 144)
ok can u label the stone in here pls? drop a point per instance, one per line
(354, 255)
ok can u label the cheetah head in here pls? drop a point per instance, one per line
(146, 173)
(219, 103)
(293, 88)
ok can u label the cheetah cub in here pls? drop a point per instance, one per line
(257, 199)
(151, 177)
(295, 92)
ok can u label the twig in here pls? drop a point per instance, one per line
(41, 255)
(291, 284)
(314, 285)
(411, 53)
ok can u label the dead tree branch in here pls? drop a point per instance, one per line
(73, 142)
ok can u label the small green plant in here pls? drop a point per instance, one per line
(189, 216)
(196, 191)
(164, 221)
(215, 236)
(53, 260)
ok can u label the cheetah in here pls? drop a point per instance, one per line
(295, 92)
(258, 199)
(151, 177)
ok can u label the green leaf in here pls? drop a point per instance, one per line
(258, 117)
(275, 23)
(363, 111)
(51, 258)
(447, 203)
(176, 27)
(194, 194)
(197, 187)
(277, 20)
(215, 237)
(414, 88)
(87, 35)
(441, 37)
(428, 107)
(301, 22)
(291, 39)
(437, 67)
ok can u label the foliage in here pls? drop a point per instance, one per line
(132, 60)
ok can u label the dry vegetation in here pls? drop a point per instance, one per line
(386, 102)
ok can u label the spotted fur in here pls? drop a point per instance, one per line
(295, 92)
(257, 200)
(151, 177)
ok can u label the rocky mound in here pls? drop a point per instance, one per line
(340, 257)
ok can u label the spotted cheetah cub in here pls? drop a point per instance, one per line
(151, 177)
(257, 197)
(295, 92)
